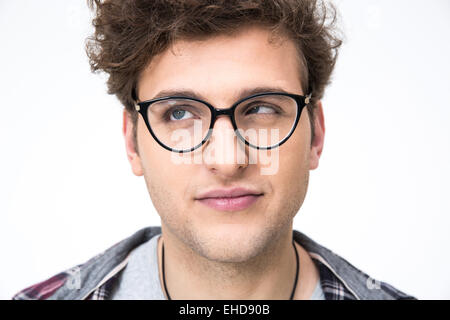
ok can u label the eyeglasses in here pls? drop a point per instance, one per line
(262, 121)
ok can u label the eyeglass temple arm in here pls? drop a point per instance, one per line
(135, 99)
(308, 98)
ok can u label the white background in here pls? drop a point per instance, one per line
(379, 197)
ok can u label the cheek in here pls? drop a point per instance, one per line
(163, 185)
(295, 152)
(166, 185)
(293, 174)
(293, 171)
(155, 159)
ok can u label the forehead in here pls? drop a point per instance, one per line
(221, 66)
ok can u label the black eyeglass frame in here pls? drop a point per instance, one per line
(302, 101)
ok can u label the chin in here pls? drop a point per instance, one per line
(232, 243)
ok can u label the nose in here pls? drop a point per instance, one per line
(224, 153)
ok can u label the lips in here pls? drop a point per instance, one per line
(235, 199)
(228, 193)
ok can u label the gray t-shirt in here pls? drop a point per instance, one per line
(140, 278)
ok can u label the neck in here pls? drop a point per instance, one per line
(268, 275)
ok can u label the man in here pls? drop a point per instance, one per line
(223, 118)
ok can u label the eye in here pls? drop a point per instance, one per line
(261, 109)
(178, 114)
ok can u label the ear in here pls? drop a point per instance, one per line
(319, 132)
(132, 155)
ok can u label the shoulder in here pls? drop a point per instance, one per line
(79, 281)
(342, 280)
(44, 289)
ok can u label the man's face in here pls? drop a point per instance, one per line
(219, 68)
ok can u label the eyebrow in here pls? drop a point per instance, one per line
(242, 93)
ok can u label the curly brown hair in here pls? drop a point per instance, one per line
(129, 33)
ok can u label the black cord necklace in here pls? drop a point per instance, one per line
(293, 290)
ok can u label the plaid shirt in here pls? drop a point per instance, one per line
(96, 278)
